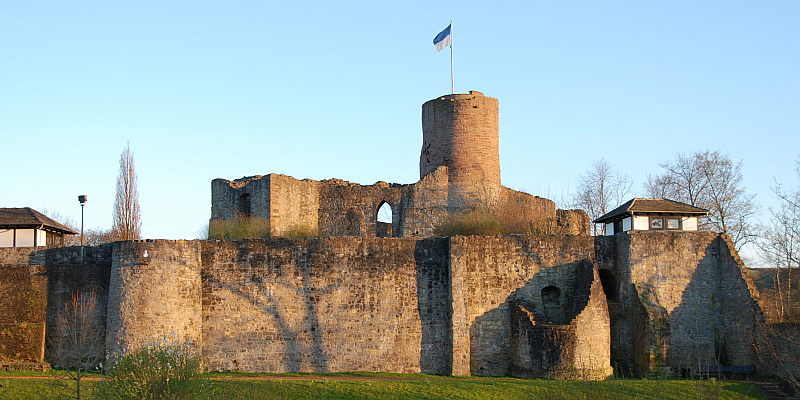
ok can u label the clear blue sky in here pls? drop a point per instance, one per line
(208, 90)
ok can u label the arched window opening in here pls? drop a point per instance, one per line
(609, 284)
(245, 211)
(383, 222)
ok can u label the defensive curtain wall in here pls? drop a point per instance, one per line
(528, 306)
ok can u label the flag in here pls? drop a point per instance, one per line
(442, 40)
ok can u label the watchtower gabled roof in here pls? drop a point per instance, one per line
(650, 206)
(27, 217)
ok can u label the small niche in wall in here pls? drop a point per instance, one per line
(553, 309)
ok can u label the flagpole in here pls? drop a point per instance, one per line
(452, 78)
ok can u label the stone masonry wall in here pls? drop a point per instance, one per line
(154, 292)
(326, 305)
(695, 278)
(424, 207)
(485, 271)
(435, 305)
(34, 285)
(350, 209)
(23, 305)
(225, 196)
(293, 204)
(67, 276)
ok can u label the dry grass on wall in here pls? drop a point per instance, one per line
(239, 228)
(512, 216)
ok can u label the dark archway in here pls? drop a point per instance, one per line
(245, 210)
(610, 286)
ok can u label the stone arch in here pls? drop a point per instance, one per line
(384, 218)
(610, 284)
(245, 209)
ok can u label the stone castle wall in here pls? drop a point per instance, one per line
(488, 274)
(325, 305)
(35, 285)
(677, 292)
(23, 307)
(484, 306)
(154, 292)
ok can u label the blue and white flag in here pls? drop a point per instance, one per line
(442, 40)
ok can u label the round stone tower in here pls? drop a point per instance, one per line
(461, 131)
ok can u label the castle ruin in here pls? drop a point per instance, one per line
(459, 168)
(366, 297)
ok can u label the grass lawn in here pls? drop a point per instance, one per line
(389, 386)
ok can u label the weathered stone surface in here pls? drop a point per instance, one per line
(317, 305)
(154, 292)
(567, 306)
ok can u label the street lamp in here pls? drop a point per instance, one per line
(82, 199)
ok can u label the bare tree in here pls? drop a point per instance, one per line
(600, 190)
(780, 246)
(709, 180)
(127, 217)
(77, 343)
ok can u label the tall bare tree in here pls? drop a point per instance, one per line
(600, 190)
(127, 217)
(780, 247)
(710, 180)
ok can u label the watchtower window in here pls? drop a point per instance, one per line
(245, 211)
(383, 220)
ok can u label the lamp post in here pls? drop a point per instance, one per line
(82, 199)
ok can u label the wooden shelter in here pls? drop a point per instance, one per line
(652, 214)
(26, 227)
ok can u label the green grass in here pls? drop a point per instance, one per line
(403, 386)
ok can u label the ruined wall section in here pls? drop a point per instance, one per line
(226, 197)
(572, 222)
(524, 212)
(425, 205)
(565, 336)
(294, 205)
(695, 278)
(155, 291)
(350, 209)
(485, 271)
(741, 307)
(592, 359)
(325, 305)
